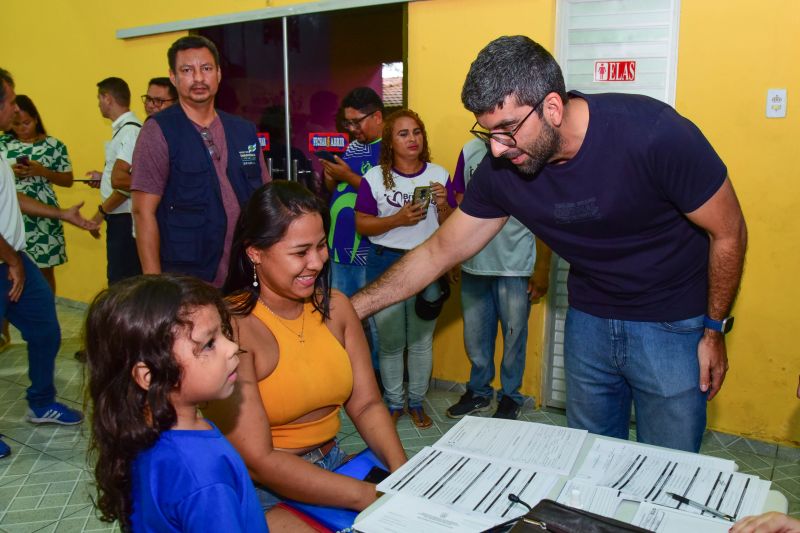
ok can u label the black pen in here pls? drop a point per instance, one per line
(697, 505)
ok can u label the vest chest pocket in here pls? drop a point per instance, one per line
(191, 182)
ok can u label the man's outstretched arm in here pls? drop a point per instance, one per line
(459, 238)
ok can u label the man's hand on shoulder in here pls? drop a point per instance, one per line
(713, 358)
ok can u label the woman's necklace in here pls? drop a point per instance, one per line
(300, 336)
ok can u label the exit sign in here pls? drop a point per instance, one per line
(614, 71)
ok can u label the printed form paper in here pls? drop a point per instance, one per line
(649, 474)
(527, 444)
(469, 484)
(599, 500)
(403, 514)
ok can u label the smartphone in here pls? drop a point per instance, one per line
(23, 160)
(376, 475)
(327, 156)
(86, 180)
(422, 195)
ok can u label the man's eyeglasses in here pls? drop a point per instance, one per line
(158, 102)
(205, 133)
(356, 123)
(506, 138)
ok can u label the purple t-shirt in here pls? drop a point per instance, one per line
(615, 211)
(150, 171)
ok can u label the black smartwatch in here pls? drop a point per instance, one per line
(723, 326)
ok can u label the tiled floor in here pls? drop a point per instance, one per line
(46, 484)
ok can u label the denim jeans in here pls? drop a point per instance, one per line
(610, 363)
(121, 254)
(34, 315)
(484, 301)
(349, 279)
(333, 460)
(399, 327)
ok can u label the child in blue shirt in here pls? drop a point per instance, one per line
(157, 347)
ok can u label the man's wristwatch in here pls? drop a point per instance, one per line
(723, 326)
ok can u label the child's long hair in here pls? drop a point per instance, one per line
(133, 321)
(263, 222)
(386, 160)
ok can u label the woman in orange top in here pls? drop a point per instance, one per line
(305, 357)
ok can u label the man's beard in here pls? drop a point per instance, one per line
(539, 152)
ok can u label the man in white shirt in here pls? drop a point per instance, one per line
(25, 297)
(114, 100)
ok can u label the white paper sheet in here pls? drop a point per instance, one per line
(525, 444)
(404, 514)
(663, 520)
(650, 474)
(583, 495)
(469, 484)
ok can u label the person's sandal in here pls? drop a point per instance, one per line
(420, 419)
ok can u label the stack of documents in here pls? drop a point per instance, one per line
(463, 482)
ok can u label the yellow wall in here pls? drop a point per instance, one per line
(730, 53)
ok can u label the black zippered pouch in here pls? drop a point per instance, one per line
(551, 516)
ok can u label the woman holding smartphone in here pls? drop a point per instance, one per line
(41, 162)
(396, 219)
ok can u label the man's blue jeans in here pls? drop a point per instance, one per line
(34, 315)
(484, 301)
(349, 279)
(400, 327)
(610, 363)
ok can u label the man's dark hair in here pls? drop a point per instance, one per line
(363, 99)
(191, 42)
(514, 65)
(117, 88)
(164, 82)
(5, 77)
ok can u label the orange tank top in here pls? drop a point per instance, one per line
(309, 375)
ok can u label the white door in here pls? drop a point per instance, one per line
(627, 46)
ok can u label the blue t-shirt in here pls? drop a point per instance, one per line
(193, 481)
(347, 246)
(615, 211)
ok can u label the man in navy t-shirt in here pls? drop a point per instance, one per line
(634, 197)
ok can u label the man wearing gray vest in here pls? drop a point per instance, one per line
(499, 283)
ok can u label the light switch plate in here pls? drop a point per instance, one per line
(776, 103)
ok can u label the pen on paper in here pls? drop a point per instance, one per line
(698, 505)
